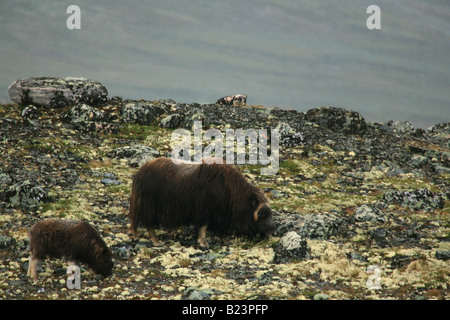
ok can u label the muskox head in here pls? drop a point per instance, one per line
(105, 269)
(264, 225)
(102, 263)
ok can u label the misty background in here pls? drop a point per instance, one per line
(287, 53)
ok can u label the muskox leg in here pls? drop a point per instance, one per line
(133, 230)
(32, 268)
(172, 233)
(153, 237)
(202, 238)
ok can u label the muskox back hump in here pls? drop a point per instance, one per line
(49, 238)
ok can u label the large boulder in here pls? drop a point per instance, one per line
(89, 119)
(338, 119)
(143, 113)
(57, 92)
(312, 226)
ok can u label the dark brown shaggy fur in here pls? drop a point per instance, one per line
(77, 241)
(213, 196)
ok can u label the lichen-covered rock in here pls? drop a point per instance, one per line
(26, 195)
(289, 137)
(338, 119)
(368, 213)
(422, 199)
(381, 236)
(321, 296)
(99, 127)
(311, 226)
(440, 134)
(192, 293)
(6, 242)
(141, 113)
(124, 252)
(30, 113)
(136, 154)
(291, 247)
(83, 112)
(89, 119)
(322, 226)
(57, 92)
(442, 255)
(195, 113)
(171, 121)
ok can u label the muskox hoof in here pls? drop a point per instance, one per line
(157, 243)
(203, 245)
(33, 280)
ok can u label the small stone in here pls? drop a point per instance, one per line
(278, 194)
(30, 113)
(321, 296)
(356, 256)
(109, 182)
(192, 293)
(291, 247)
(442, 255)
(124, 252)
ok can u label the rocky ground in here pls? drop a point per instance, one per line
(362, 209)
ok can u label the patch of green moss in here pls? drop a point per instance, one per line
(135, 131)
(60, 207)
(290, 167)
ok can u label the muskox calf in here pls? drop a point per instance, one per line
(173, 193)
(77, 241)
(237, 99)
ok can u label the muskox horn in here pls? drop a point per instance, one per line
(255, 214)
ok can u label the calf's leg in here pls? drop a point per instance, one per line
(202, 238)
(32, 268)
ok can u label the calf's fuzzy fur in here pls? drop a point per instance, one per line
(77, 241)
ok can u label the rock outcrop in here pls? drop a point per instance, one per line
(57, 92)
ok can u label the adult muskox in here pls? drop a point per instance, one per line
(172, 193)
(77, 241)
